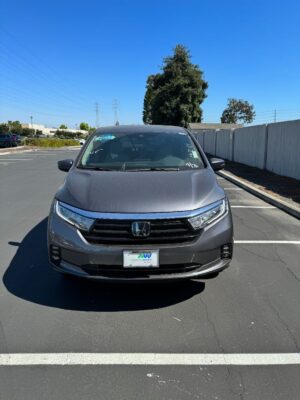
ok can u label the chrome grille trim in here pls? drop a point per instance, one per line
(141, 216)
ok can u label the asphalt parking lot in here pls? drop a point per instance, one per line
(233, 337)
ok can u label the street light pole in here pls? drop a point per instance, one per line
(115, 106)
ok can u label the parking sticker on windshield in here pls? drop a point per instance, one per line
(105, 138)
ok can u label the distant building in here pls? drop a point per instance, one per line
(51, 131)
(200, 127)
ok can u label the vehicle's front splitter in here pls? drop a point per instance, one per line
(197, 273)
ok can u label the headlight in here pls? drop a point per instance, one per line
(210, 213)
(73, 218)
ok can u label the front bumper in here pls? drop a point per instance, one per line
(195, 259)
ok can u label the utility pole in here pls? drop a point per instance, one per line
(31, 117)
(275, 115)
(97, 114)
(115, 106)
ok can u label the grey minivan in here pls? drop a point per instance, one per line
(140, 203)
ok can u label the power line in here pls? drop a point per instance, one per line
(53, 112)
(25, 96)
(62, 82)
(40, 113)
(39, 77)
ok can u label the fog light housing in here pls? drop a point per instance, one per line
(55, 255)
(226, 251)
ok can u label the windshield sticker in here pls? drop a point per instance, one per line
(191, 165)
(104, 138)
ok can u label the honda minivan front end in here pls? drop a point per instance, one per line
(142, 204)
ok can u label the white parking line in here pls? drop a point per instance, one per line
(267, 241)
(253, 207)
(23, 359)
(16, 159)
(232, 188)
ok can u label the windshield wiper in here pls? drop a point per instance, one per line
(152, 169)
(98, 168)
(165, 169)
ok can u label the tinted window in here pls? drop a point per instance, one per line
(138, 151)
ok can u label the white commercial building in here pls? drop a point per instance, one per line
(51, 131)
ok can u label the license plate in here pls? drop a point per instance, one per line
(140, 259)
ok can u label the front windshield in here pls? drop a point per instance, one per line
(141, 151)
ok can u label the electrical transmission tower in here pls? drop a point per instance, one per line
(97, 114)
(115, 106)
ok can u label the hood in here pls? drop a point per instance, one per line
(140, 192)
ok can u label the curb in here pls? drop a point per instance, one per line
(261, 194)
(21, 149)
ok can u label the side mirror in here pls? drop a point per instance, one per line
(65, 165)
(217, 163)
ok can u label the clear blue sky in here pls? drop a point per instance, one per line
(59, 57)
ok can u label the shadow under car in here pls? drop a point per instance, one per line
(30, 277)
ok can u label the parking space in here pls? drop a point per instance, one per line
(252, 308)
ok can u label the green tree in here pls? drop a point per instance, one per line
(84, 126)
(91, 130)
(4, 128)
(15, 127)
(148, 99)
(173, 97)
(63, 126)
(28, 132)
(238, 110)
(59, 134)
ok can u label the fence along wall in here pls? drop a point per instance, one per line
(224, 143)
(249, 146)
(210, 142)
(275, 147)
(283, 148)
(200, 138)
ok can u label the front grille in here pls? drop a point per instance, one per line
(118, 232)
(119, 271)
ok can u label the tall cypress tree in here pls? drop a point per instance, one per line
(173, 97)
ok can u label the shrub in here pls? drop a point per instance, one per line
(68, 134)
(50, 142)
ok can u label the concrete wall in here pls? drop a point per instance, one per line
(283, 148)
(275, 147)
(210, 142)
(224, 143)
(200, 138)
(249, 145)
